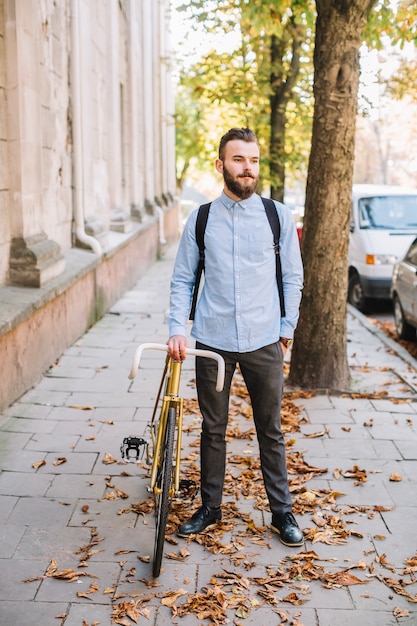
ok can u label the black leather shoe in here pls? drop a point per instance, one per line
(286, 527)
(204, 518)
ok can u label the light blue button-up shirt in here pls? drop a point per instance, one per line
(239, 308)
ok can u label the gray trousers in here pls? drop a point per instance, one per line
(262, 371)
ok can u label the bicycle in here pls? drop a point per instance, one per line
(165, 439)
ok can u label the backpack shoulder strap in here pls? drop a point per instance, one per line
(272, 215)
(200, 227)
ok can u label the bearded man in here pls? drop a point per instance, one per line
(239, 316)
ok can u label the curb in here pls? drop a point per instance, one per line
(390, 343)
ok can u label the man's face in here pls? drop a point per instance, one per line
(240, 168)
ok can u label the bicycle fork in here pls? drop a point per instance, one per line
(171, 399)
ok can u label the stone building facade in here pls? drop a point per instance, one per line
(87, 168)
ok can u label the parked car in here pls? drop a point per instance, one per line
(383, 224)
(404, 294)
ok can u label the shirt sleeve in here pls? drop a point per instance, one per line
(292, 271)
(183, 279)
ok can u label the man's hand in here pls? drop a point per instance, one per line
(177, 347)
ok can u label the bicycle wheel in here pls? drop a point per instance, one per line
(164, 483)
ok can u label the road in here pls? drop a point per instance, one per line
(383, 316)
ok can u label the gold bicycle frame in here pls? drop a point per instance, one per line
(171, 399)
(172, 376)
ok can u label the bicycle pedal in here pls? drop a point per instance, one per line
(187, 489)
(133, 449)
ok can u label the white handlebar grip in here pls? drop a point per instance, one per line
(196, 352)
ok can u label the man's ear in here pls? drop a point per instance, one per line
(219, 166)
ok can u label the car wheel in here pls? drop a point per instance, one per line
(356, 296)
(403, 328)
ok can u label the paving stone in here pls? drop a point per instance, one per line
(80, 413)
(105, 577)
(84, 429)
(20, 461)
(23, 425)
(10, 536)
(402, 493)
(49, 443)
(348, 448)
(139, 540)
(75, 486)
(23, 484)
(407, 449)
(12, 574)
(94, 385)
(377, 597)
(32, 613)
(47, 398)
(35, 411)
(107, 438)
(39, 512)
(328, 416)
(79, 614)
(371, 493)
(61, 371)
(345, 617)
(385, 449)
(7, 503)
(389, 407)
(59, 463)
(110, 400)
(11, 443)
(105, 513)
(53, 542)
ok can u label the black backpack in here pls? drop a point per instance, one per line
(200, 228)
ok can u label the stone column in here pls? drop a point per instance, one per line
(34, 259)
(170, 159)
(89, 223)
(148, 105)
(135, 110)
(167, 109)
(158, 95)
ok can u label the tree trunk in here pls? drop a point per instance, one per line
(282, 85)
(319, 358)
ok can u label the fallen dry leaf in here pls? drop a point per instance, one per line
(38, 464)
(321, 433)
(396, 478)
(356, 473)
(108, 459)
(59, 461)
(293, 599)
(81, 407)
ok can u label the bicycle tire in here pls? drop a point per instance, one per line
(164, 484)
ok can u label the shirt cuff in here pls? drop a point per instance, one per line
(177, 330)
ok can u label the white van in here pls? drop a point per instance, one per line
(383, 225)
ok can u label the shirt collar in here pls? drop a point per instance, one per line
(229, 203)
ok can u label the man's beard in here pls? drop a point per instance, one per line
(242, 191)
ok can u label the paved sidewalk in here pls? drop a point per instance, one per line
(76, 526)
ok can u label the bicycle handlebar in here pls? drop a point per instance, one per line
(193, 351)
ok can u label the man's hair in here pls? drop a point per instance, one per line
(244, 134)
